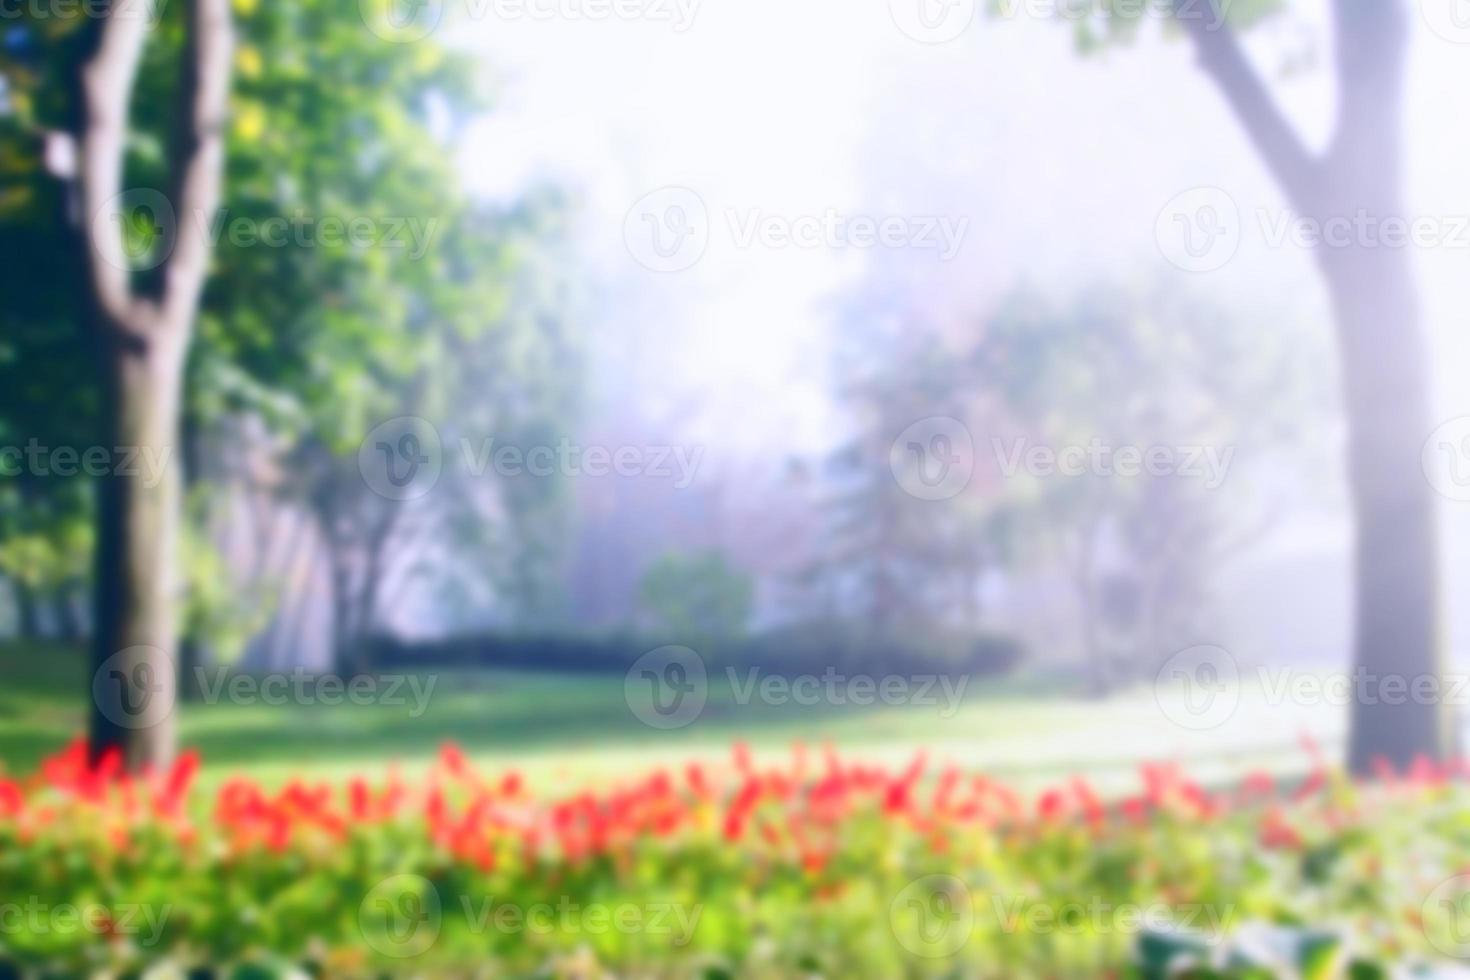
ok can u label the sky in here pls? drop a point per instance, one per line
(791, 109)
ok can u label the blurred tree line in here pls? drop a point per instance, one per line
(1131, 563)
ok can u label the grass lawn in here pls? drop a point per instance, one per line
(562, 729)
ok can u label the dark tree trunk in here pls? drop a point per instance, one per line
(28, 610)
(136, 577)
(143, 338)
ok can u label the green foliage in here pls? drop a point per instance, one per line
(215, 606)
(1224, 391)
(697, 599)
(825, 867)
(440, 307)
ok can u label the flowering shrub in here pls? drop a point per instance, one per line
(820, 866)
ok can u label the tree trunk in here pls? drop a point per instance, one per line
(137, 574)
(1384, 360)
(1396, 587)
(28, 610)
(69, 604)
(1386, 390)
(143, 339)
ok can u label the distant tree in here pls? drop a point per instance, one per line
(1162, 371)
(885, 557)
(699, 599)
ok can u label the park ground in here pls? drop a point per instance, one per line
(561, 729)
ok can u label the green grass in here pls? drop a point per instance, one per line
(572, 728)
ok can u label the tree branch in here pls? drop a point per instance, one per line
(106, 83)
(199, 154)
(1223, 59)
(1372, 45)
